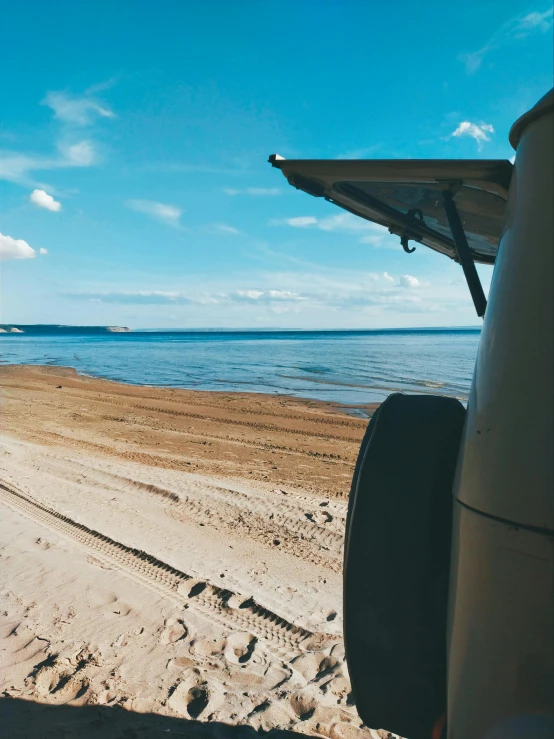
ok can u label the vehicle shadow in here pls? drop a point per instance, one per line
(22, 719)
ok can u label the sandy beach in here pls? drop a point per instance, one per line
(172, 560)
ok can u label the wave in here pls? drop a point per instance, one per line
(314, 370)
(398, 387)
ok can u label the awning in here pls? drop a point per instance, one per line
(406, 196)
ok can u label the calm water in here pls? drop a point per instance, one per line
(349, 367)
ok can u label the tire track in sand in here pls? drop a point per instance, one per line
(218, 419)
(308, 529)
(232, 609)
(334, 418)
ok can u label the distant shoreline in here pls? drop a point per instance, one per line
(46, 329)
(59, 330)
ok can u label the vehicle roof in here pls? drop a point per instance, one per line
(544, 106)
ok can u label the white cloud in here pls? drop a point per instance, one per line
(265, 295)
(17, 167)
(134, 297)
(284, 295)
(14, 167)
(43, 251)
(76, 110)
(339, 222)
(513, 30)
(252, 191)
(43, 200)
(169, 214)
(309, 297)
(344, 222)
(176, 297)
(81, 154)
(72, 112)
(409, 281)
(388, 277)
(250, 294)
(476, 131)
(11, 248)
(301, 221)
(227, 229)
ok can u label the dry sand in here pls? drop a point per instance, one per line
(172, 561)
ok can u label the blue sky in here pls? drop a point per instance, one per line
(134, 136)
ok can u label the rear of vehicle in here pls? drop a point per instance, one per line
(468, 653)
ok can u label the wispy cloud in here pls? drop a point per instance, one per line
(478, 131)
(169, 214)
(71, 149)
(133, 297)
(19, 168)
(366, 231)
(409, 281)
(297, 222)
(226, 228)
(340, 222)
(11, 248)
(255, 191)
(176, 297)
(42, 199)
(516, 28)
(79, 154)
(76, 110)
(340, 291)
(307, 297)
(266, 295)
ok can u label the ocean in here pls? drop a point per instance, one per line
(351, 367)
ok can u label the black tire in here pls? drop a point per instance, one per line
(396, 563)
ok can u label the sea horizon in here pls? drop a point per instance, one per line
(238, 330)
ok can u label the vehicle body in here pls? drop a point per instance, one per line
(498, 627)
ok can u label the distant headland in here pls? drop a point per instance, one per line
(44, 328)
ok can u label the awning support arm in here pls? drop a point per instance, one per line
(464, 254)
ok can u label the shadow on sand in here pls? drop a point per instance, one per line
(22, 719)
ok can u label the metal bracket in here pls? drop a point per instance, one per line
(414, 214)
(464, 253)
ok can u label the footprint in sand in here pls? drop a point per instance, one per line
(307, 665)
(174, 630)
(57, 682)
(240, 648)
(207, 648)
(194, 696)
(95, 562)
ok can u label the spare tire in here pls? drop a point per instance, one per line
(396, 563)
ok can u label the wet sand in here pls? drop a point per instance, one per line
(308, 445)
(172, 557)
